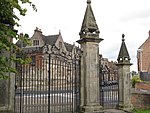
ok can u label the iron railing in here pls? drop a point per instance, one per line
(50, 84)
(108, 87)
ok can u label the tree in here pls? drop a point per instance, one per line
(8, 19)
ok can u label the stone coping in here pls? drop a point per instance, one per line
(140, 91)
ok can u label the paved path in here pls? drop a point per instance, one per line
(116, 111)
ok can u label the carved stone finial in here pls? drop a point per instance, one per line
(123, 37)
(37, 28)
(88, 1)
(59, 32)
(89, 25)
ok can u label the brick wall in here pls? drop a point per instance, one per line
(141, 100)
(140, 97)
(143, 56)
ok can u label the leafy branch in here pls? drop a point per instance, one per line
(8, 19)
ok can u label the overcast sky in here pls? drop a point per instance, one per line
(114, 17)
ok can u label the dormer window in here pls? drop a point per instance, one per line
(35, 42)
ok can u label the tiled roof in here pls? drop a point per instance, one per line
(51, 39)
(146, 41)
(69, 47)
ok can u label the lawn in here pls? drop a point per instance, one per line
(141, 110)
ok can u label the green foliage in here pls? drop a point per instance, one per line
(141, 110)
(135, 79)
(8, 19)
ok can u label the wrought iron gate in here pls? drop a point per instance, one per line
(108, 87)
(49, 84)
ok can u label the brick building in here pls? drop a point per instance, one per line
(143, 56)
(38, 50)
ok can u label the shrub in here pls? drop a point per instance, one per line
(135, 79)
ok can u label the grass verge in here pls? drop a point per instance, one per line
(141, 110)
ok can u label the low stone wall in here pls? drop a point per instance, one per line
(140, 97)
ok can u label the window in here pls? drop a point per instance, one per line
(33, 60)
(60, 44)
(35, 42)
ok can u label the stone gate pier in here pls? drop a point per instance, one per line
(124, 77)
(89, 40)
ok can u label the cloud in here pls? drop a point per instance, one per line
(113, 17)
(133, 15)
